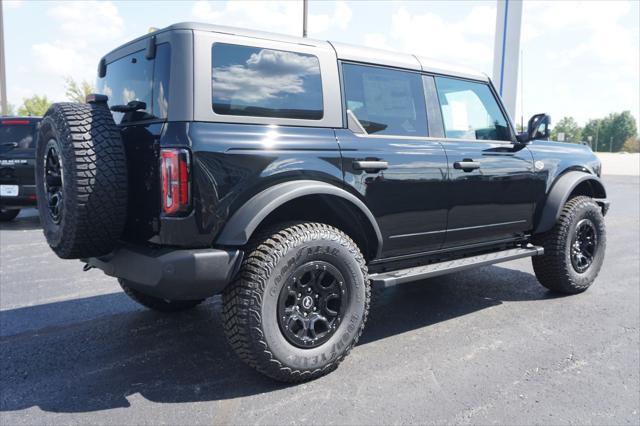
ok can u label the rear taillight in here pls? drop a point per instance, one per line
(15, 121)
(176, 188)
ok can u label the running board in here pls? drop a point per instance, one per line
(388, 279)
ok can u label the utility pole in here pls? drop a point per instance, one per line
(611, 144)
(4, 109)
(597, 130)
(521, 90)
(305, 12)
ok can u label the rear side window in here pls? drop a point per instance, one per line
(385, 101)
(135, 78)
(470, 111)
(22, 135)
(252, 81)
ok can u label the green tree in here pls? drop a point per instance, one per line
(35, 105)
(631, 145)
(611, 132)
(77, 92)
(591, 131)
(622, 127)
(568, 126)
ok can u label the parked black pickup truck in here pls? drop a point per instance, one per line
(17, 160)
(291, 175)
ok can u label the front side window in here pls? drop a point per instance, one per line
(470, 111)
(135, 78)
(385, 101)
(252, 81)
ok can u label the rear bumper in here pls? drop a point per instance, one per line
(26, 198)
(184, 274)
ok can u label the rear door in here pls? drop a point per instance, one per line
(390, 161)
(17, 157)
(491, 184)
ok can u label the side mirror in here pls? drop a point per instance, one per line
(539, 127)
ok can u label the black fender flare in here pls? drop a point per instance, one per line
(248, 217)
(559, 194)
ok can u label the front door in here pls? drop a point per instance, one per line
(492, 188)
(389, 160)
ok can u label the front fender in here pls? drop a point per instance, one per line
(248, 217)
(561, 190)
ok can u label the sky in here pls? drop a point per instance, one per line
(579, 59)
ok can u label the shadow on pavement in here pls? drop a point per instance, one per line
(22, 222)
(91, 354)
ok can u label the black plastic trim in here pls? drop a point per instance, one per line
(165, 272)
(559, 194)
(241, 225)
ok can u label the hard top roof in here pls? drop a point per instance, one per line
(343, 51)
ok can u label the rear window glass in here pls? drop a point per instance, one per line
(386, 101)
(135, 78)
(252, 81)
(23, 135)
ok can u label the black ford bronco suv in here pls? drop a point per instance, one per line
(291, 175)
(17, 161)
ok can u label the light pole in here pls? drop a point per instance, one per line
(3, 77)
(305, 11)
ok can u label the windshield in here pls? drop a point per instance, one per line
(135, 78)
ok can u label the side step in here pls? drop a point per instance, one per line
(388, 279)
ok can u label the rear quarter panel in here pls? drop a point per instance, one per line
(233, 162)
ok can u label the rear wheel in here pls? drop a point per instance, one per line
(300, 303)
(8, 214)
(156, 303)
(573, 249)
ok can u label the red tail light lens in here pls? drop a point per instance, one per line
(176, 188)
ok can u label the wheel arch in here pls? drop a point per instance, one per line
(307, 200)
(566, 186)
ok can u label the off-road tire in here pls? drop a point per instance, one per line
(156, 303)
(8, 215)
(554, 269)
(250, 303)
(94, 184)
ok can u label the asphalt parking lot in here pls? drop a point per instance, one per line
(486, 346)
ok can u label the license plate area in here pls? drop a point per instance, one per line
(9, 190)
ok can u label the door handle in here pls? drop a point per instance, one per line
(370, 165)
(466, 165)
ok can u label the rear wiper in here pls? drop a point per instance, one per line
(130, 107)
(13, 144)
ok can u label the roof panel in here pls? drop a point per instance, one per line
(349, 52)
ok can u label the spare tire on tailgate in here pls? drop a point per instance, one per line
(81, 180)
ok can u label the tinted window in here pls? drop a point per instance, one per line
(265, 83)
(386, 101)
(135, 78)
(470, 111)
(21, 134)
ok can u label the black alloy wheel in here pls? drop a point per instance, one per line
(311, 304)
(53, 182)
(583, 245)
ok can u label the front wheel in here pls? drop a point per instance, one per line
(573, 249)
(300, 303)
(7, 215)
